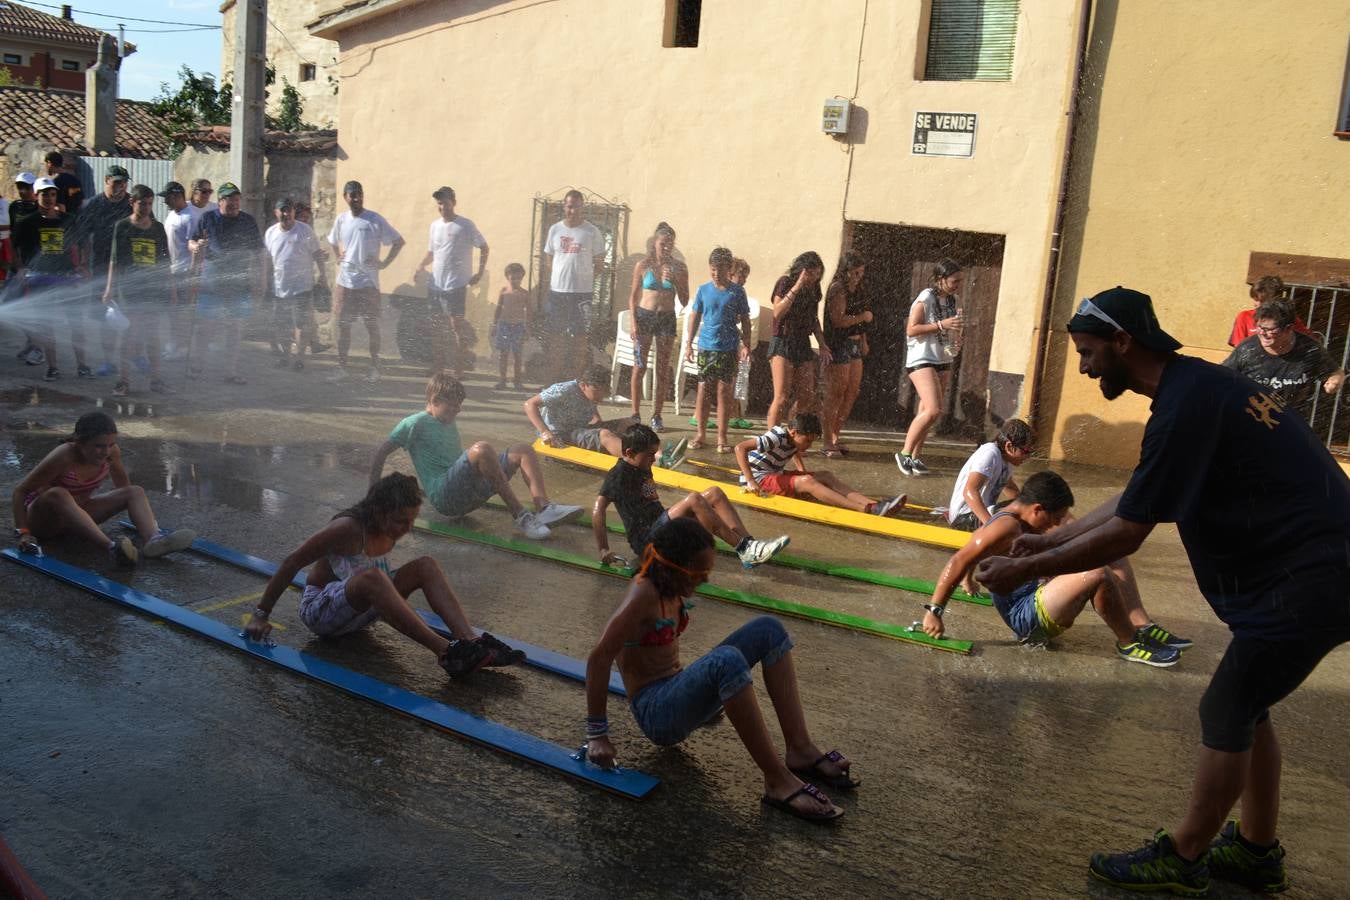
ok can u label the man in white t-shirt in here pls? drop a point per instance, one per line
(179, 226)
(987, 476)
(293, 260)
(357, 235)
(450, 247)
(574, 253)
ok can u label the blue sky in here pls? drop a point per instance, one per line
(160, 51)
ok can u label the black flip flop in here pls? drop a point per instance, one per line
(811, 791)
(839, 782)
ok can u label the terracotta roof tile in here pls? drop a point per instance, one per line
(279, 141)
(24, 21)
(58, 117)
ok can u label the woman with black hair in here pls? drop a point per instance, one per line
(796, 318)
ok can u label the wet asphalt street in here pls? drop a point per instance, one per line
(139, 761)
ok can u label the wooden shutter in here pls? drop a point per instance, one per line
(971, 40)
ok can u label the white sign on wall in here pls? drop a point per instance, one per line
(944, 134)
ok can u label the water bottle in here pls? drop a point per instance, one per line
(742, 389)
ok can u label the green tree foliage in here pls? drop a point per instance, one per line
(291, 115)
(197, 103)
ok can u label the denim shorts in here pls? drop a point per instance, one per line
(568, 313)
(452, 300)
(639, 542)
(1024, 611)
(795, 348)
(670, 709)
(510, 337)
(464, 489)
(845, 351)
(326, 612)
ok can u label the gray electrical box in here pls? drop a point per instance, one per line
(834, 117)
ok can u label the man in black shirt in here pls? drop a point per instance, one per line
(94, 229)
(25, 206)
(231, 249)
(69, 191)
(49, 262)
(1284, 361)
(1264, 514)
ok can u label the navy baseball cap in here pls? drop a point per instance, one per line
(1121, 309)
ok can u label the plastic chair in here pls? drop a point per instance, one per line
(757, 324)
(623, 356)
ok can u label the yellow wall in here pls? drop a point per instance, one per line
(1207, 135)
(506, 100)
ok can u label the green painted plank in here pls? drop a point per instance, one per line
(819, 567)
(787, 608)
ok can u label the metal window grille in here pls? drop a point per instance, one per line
(971, 40)
(1326, 310)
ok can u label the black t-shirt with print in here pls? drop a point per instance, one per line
(1263, 510)
(95, 224)
(69, 192)
(1291, 376)
(141, 259)
(43, 244)
(632, 490)
(19, 209)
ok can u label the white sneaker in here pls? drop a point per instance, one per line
(35, 356)
(555, 513)
(168, 542)
(528, 524)
(373, 375)
(757, 552)
(340, 376)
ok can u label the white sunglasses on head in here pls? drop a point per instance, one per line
(1088, 308)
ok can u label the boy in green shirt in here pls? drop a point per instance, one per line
(459, 481)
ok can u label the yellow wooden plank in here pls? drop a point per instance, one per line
(932, 535)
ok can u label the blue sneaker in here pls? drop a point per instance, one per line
(1149, 654)
(1155, 634)
(1231, 859)
(105, 370)
(1156, 866)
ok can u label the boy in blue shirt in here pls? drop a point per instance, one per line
(458, 481)
(719, 306)
(566, 413)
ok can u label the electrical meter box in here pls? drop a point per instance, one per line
(834, 117)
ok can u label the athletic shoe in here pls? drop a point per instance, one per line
(157, 386)
(168, 542)
(758, 552)
(34, 356)
(25, 351)
(1149, 654)
(53, 373)
(340, 376)
(555, 513)
(502, 653)
(658, 425)
(84, 372)
(1156, 866)
(373, 375)
(121, 389)
(528, 524)
(316, 348)
(1155, 634)
(905, 464)
(917, 467)
(672, 458)
(890, 507)
(1231, 860)
(123, 552)
(463, 657)
(105, 370)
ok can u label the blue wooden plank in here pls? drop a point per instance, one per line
(625, 782)
(539, 657)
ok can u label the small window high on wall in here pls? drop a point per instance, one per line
(681, 25)
(971, 40)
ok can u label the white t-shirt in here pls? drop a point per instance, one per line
(451, 244)
(199, 211)
(989, 462)
(360, 237)
(178, 228)
(292, 251)
(574, 251)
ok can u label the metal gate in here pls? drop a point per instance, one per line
(612, 220)
(154, 173)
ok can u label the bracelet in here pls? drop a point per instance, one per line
(935, 609)
(596, 727)
(260, 613)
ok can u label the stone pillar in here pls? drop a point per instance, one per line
(247, 105)
(100, 99)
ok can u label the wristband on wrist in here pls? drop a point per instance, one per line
(935, 609)
(260, 613)
(596, 727)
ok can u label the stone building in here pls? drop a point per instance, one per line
(306, 61)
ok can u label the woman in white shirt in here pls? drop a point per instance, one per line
(932, 335)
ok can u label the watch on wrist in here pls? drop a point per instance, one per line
(935, 609)
(260, 613)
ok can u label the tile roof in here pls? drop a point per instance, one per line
(23, 21)
(58, 118)
(320, 141)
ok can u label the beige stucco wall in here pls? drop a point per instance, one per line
(1207, 136)
(722, 140)
(289, 44)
